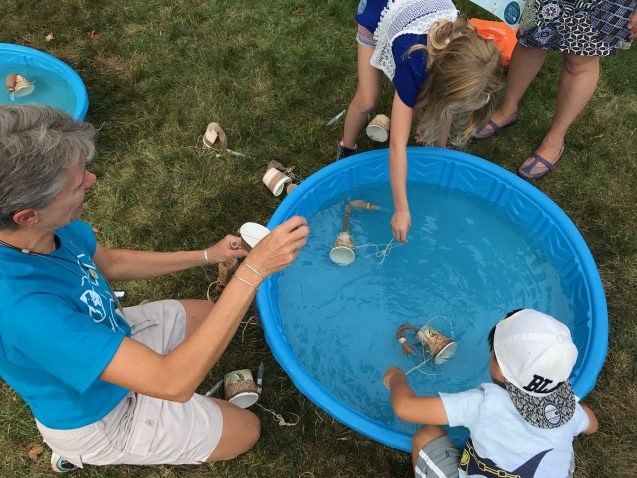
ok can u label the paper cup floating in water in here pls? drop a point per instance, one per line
(342, 252)
(440, 347)
(251, 233)
(18, 85)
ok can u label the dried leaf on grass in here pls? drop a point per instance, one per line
(94, 36)
(34, 450)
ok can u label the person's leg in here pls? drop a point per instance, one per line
(433, 453)
(577, 84)
(364, 101)
(524, 67)
(422, 437)
(196, 311)
(241, 431)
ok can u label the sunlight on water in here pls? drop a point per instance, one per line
(50, 88)
(465, 265)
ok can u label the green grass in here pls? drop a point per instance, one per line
(272, 73)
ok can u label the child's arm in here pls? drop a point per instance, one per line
(401, 116)
(592, 421)
(410, 407)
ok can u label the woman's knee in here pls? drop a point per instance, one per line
(578, 64)
(241, 431)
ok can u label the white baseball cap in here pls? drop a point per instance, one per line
(536, 354)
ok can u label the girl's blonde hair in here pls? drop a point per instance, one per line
(464, 73)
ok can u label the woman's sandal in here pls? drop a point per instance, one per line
(491, 128)
(527, 166)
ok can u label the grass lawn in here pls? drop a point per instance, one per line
(272, 73)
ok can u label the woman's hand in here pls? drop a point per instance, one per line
(226, 250)
(279, 248)
(400, 224)
(392, 375)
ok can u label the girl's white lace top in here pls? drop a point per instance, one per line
(406, 16)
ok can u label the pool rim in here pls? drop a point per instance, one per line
(70, 75)
(317, 394)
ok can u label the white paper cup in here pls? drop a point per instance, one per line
(440, 347)
(251, 233)
(240, 389)
(342, 252)
(275, 180)
(378, 128)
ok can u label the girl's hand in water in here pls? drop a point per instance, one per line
(400, 224)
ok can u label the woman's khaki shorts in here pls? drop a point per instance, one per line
(143, 430)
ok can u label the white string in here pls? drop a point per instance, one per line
(279, 418)
(246, 323)
(208, 296)
(382, 250)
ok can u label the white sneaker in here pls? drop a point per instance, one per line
(59, 464)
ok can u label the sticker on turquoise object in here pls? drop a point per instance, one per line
(512, 13)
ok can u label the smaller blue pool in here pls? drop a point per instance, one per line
(482, 242)
(56, 83)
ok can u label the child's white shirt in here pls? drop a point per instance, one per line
(499, 434)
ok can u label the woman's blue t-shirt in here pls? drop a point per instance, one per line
(59, 329)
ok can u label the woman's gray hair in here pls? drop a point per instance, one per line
(38, 145)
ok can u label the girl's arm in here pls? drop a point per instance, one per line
(401, 116)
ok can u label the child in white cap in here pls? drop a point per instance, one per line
(521, 426)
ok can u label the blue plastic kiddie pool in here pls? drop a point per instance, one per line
(482, 242)
(55, 83)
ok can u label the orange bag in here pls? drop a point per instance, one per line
(500, 32)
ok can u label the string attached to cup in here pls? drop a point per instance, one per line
(381, 250)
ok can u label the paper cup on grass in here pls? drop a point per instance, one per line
(275, 180)
(342, 252)
(240, 389)
(251, 233)
(440, 347)
(378, 128)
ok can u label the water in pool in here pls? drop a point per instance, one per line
(50, 88)
(466, 264)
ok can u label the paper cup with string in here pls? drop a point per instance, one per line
(342, 252)
(440, 347)
(378, 128)
(240, 388)
(275, 180)
(251, 233)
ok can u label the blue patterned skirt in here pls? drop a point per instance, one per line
(566, 26)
